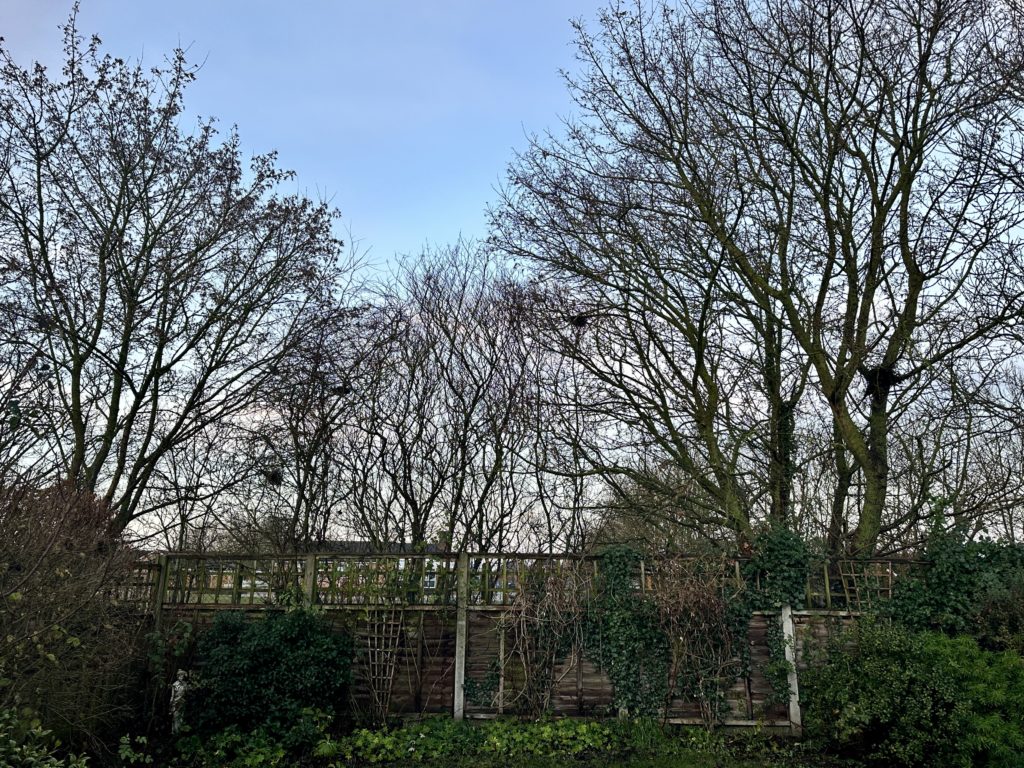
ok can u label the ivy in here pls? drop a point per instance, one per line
(738, 626)
(625, 638)
(776, 575)
(481, 692)
(966, 587)
(776, 670)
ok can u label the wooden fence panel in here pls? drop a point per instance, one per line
(434, 633)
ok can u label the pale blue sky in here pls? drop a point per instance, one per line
(402, 113)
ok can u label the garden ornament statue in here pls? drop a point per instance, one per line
(178, 689)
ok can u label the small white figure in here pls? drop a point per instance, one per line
(178, 689)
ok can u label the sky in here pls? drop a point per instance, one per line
(402, 113)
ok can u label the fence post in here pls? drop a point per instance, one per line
(789, 639)
(309, 579)
(461, 631)
(158, 592)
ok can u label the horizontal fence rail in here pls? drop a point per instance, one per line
(494, 581)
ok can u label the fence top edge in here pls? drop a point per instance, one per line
(302, 556)
(372, 556)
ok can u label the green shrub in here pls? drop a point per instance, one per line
(134, 751)
(992, 685)
(231, 748)
(966, 587)
(569, 738)
(546, 743)
(893, 697)
(647, 736)
(26, 745)
(288, 672)
(435, 739)
(999, 613)
(442, 741)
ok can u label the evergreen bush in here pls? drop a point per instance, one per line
(893, 697)
(272, 672)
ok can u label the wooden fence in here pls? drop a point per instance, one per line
(434, 630)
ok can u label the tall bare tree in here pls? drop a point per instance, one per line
(437, 449)
(155, 279)
(849, 171)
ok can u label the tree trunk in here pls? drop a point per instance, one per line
(880, 381)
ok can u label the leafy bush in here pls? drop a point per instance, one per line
(999, 613)
(134, 751)
(282, 672)
(893, 697)
(966, 587)
(27, 745)
(231, 749)
(442, 741)
(569, 738)
(992, 684)
(435, 739)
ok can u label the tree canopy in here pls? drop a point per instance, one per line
(786, 210)
(152, 278)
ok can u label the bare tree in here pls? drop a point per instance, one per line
(680, 366)
(294, 434)
(848, 171)
(437, 447)
(155, 280)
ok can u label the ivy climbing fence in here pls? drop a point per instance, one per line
(483, 634)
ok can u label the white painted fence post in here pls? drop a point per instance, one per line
(461, 631)
(309, 578)
(789, 638)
